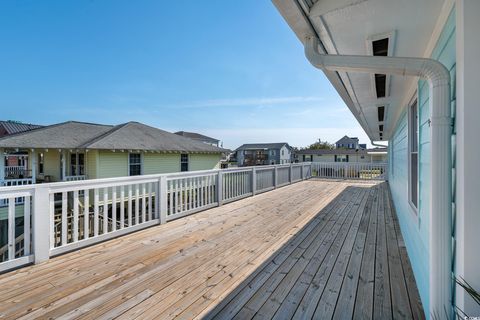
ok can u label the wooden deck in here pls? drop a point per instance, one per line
(315, 249)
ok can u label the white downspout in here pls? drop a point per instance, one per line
(441, 175)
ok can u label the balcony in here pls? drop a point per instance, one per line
(329, 247)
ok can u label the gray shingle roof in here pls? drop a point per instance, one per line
(347, 140)
(127, 136)
(12, 127)
(196, 136)
(138, 136)
(277, 145)
(62, 135)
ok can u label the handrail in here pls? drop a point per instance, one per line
(71, 215)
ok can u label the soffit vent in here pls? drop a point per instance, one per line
(380, 85)
(381, 113)
(380, 48)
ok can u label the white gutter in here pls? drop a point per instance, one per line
(441, 173)
(377, 145)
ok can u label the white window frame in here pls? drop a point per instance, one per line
(410, 135)
(141, 162)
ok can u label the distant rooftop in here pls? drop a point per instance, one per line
(196, 136)
(276, 145)
(12, 127)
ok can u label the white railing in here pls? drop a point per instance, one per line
(75, 178)
(16, 211)
(350, 170)
(71, 215)
(16, 182)
(13, 183)
(15, 171)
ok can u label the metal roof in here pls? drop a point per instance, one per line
(12, 127)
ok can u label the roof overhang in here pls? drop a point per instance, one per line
(348, 27)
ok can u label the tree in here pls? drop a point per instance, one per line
(321, 145)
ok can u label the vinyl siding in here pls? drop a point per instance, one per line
(204, 161)
(92, 157)
(51, 166)
(415, 226)
(115, 164)
(112, 164)
(160, 163)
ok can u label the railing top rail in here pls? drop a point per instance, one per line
(117, 181)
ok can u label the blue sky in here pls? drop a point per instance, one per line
(230, 69)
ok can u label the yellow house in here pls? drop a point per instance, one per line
(77, 151)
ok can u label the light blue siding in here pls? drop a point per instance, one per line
(415, 225)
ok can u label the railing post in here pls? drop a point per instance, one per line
(290, 174)
(2, 166)
(301, 172)
(41, 217)
(162, 199)
(254, 181)
(219, 188)
(345, 171)
(275, 177)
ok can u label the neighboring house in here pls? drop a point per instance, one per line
(376, 155)
(426, 107)
(348, 143)
(10, 127)
(78, 150)
(199, 137)
(254, 154)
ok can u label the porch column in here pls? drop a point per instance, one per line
(34, 166)
(467, 153)
(64, 165)
(2, 165)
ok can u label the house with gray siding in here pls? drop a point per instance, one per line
(374, 155)
(254, 154)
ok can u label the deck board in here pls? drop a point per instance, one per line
(317, 248)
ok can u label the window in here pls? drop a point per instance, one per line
(272, 152)
(413, 154)
(134, 164)
(40, 164)
(283, 152)
(77, 164)
(341, 158)
(184, 162)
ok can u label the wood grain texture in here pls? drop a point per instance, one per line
(304, 250)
